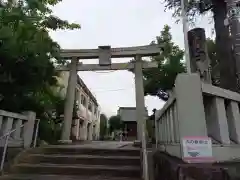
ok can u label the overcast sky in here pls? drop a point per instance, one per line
(116, 23)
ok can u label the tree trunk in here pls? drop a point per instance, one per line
(224, 47)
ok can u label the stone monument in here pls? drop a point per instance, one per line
(199, 59)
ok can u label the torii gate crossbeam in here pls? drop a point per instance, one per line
(114, 66)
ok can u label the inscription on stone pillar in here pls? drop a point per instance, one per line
(198, 54)
(104, 55)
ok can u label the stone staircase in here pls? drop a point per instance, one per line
(71, 162)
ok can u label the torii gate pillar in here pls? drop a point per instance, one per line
(69, 102)
(140, 102)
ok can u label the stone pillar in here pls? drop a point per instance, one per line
(7, 125)
(190, 108)
(140, 103)
(78, 129)
(28, 129)
(199, 59)
(84, 130)
(74, 129)
(17, 125)
(233, 116)
(68, 107)
(90, 132)
(218, 124)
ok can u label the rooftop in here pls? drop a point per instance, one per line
(87, 91)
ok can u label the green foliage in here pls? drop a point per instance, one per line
(194, 7)
(169, 65)
(115, 123)
(103, 126)
(50, 116)
(27, 53)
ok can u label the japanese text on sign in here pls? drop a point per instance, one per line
(197, 149)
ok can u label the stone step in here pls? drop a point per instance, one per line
(61, 177)
(77, 169)
(12, 143)
(81, 159)
(89, 151)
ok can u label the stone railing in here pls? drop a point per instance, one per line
(167, 123)
(24, 125)
(222, 117)
(199, 109)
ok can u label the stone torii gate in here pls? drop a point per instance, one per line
(104, 54)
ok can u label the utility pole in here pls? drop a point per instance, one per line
(184, 4)
(233, 7)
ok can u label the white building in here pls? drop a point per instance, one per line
(87, 125)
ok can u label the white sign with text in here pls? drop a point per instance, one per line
(197, 149)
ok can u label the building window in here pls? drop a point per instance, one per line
(90, 107)
(83, 100)
(95, 111)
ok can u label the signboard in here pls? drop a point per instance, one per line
(197, 149)
(104, 55)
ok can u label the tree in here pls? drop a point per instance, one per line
(169, 65)
(103, 125)
(27, 72)
(51, 116)
(223, 41)
(115, 123)
(27, 51)
(162, 78)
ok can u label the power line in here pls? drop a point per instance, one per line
(105, 72)
(112, 90)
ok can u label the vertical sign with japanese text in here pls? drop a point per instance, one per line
(197, 149)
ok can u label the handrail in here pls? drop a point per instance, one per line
(7, 140)
(165, 107)
(216, 91)
(36, 133)
(10, 132)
